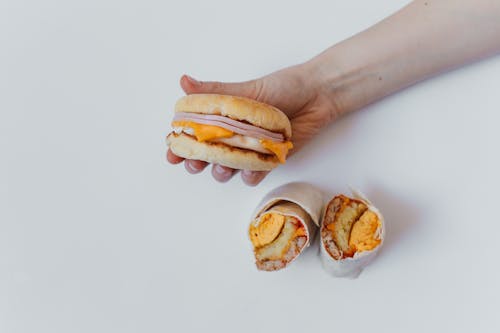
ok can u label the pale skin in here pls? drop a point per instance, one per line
(421, 40)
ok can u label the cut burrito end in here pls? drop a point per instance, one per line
(277, 239)
(349, 227)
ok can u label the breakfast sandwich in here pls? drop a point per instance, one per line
(236, 132)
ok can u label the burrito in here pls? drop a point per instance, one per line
(352, 231)
(284, 224)
(279, 236)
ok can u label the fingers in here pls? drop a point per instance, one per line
(195, 166)
(221, 173)
(253, 178)
(192, 166)
(251, 89)
(172, 158)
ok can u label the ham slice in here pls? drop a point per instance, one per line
(229, 124)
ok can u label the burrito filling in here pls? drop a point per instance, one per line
(349, 227)
(277, 239)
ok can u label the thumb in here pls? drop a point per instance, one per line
(250, 89)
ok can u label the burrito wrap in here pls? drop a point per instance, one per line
(297, 202)
(352, 266)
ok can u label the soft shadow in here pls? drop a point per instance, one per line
(330, 138)
(400, 215)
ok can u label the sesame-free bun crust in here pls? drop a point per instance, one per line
(186, 146)
(238, 108)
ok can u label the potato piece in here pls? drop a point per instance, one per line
(346, 212)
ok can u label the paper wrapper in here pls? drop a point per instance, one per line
(352, 267)
(304, 195)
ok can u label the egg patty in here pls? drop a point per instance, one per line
(272, 237)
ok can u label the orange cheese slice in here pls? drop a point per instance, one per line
(280, 149)
(205, 132)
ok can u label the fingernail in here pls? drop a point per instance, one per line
(252, 178)
(190, 168)
(220, 170)
(193, 81)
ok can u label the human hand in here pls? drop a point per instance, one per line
(294, 90)
(364, 68)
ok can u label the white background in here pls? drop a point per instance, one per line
(99, 234)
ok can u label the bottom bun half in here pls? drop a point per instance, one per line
(187, 146)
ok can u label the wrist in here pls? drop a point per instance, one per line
(357, 72)
(336, 80)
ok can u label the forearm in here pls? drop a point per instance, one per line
(424, 38)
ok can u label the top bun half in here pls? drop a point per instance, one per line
(239, 108)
